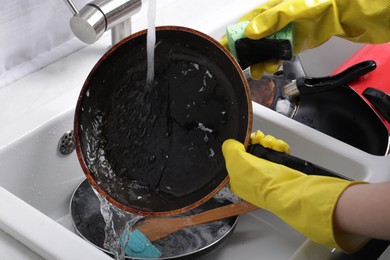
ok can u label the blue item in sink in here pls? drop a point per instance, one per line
(139, 246)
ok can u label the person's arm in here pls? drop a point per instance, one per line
(364, 209)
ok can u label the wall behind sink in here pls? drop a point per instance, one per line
(323, 60)
(33, 33)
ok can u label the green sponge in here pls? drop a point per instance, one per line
(235, 32)
(276, 46)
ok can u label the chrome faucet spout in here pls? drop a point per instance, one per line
(121, 31)
(72, 7)
(90, 22)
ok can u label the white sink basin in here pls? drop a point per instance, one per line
(46, 179)
(37, 181)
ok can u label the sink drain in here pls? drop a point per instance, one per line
(66, 144)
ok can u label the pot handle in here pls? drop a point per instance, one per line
(380, 100)
(308, 85)
(291, 161)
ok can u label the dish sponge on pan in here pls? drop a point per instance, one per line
(278, 46)
(139, 246)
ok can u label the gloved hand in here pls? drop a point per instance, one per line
(316, 21)
(304, 202)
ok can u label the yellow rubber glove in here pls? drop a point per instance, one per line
(268, 141)
(316, 21)
(304, 202)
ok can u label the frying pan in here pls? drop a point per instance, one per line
(155, 149)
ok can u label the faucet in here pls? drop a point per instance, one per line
(90, 22)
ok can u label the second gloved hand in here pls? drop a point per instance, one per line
(304, 202)
(316, 21)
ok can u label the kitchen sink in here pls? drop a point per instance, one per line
(37, 181)
(40, 175)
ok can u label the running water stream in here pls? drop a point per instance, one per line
(151, 40)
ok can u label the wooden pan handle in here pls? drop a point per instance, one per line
(222, 212)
